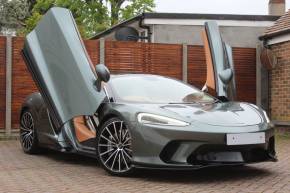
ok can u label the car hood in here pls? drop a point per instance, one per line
(219, 114)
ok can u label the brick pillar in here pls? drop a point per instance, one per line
(276, 7)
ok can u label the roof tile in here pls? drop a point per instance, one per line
(281, 25)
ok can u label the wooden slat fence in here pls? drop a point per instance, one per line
(131, 57)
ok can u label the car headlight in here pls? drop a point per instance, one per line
(266, 117)
(151, 119)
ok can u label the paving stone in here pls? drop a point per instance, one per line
(56, 172)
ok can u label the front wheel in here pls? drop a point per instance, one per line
(28, 136)
(114, 147)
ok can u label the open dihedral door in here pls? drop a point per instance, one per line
(220, 79)
(59, 63)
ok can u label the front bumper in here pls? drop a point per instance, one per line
(190, 148)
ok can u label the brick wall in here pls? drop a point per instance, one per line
(280, 84)
(2, 81)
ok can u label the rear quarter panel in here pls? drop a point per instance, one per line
(36, 105)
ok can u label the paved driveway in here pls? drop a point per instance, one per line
(55, 172)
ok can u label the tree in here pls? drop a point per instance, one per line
(92, 16)
(31, 4)
(131, 9)
(12, 14)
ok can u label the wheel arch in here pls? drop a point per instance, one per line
(109, 110)
(110, 115)
(33, 102)
(23, 108)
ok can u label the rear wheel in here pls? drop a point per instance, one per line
(28, 137)
(114, 147)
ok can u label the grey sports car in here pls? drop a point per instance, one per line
(134, 121)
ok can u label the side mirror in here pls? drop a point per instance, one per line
(103, 75)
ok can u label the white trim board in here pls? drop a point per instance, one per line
(279, 39)
(248, 23)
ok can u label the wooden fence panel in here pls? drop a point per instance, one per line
(2, 81)
(165, 60)
(131, 57)
(93, 49)
(196, 66)
(245, 69)
(22, 82)
(125, 57)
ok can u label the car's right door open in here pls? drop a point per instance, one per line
(220, 79)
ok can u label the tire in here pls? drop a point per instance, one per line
(114, 147)
(28, 132)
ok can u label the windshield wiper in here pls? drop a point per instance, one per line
(177, 103)
(195, 102)
(209, 103)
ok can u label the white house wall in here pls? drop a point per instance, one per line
(235, 36)
(240, 34)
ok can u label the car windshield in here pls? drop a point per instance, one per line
(156, 89)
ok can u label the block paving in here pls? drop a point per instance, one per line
(56, 172)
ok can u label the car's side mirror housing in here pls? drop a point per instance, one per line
(103, 75)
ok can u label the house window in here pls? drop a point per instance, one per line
(143, 34)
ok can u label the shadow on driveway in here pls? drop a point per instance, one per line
(205, 175)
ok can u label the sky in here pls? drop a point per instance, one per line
(250, 7)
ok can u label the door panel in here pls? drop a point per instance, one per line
(210, 78)
(59, 63)
(220, 66)
(232, 85)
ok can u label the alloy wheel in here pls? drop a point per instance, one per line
(114, 147)
(27, 131)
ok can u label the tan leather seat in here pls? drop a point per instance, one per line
(83, 132)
